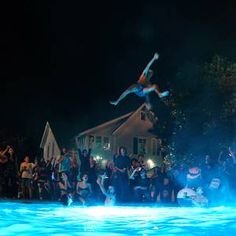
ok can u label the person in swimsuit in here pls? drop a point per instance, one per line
(65, 189)
(110, 193)
(143, 87)
(84, 190)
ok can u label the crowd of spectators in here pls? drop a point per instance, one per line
(76, 177)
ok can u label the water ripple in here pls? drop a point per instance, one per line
(53, 219)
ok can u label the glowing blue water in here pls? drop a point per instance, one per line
(53, 219)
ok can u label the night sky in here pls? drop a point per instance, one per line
(64, 60)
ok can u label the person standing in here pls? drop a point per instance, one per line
(121, 165)
(3, 163)
(64, 162)
(11, 171)
(26, 171)
(84, 157)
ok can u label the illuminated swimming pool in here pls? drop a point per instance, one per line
(53, 219)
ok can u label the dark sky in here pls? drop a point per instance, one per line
(64, 60)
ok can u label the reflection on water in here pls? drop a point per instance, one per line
(54, 219)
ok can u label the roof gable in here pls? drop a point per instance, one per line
(133, 117)
(116, 125)
(46, 133)
(112, 124)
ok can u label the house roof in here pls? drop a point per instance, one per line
(116, 124)
(133, 114)
(45, 135)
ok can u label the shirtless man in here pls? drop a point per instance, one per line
(143, 86)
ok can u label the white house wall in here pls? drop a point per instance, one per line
(135, 127)
(53, 152)
(123, 135)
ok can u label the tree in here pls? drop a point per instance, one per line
(202, 109)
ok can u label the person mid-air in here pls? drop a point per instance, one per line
(143, 87)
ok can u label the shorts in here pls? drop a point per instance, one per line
(139, 91)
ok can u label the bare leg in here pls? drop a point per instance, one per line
(155, 88)
(131, 89)
(149, 106)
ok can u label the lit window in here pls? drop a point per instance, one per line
(98, 142)
(91, 138)
(106, 143)
(139, 145)
(81, 140)
(142, 145)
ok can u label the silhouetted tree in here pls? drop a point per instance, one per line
(202, 109)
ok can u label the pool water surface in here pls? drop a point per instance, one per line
(18, 218)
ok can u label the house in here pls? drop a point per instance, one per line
(49, 144)
(131, 130)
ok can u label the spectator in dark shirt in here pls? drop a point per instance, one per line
(84, 157)
(122, 164)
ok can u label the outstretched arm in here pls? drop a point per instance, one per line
(133, 173)
(100, 182)
(155, 57)
(149, 106)
(5, 151)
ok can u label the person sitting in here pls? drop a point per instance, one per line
(216, 191)
(141, 188)
(166, 190)
(65, 188)
(84, 190)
